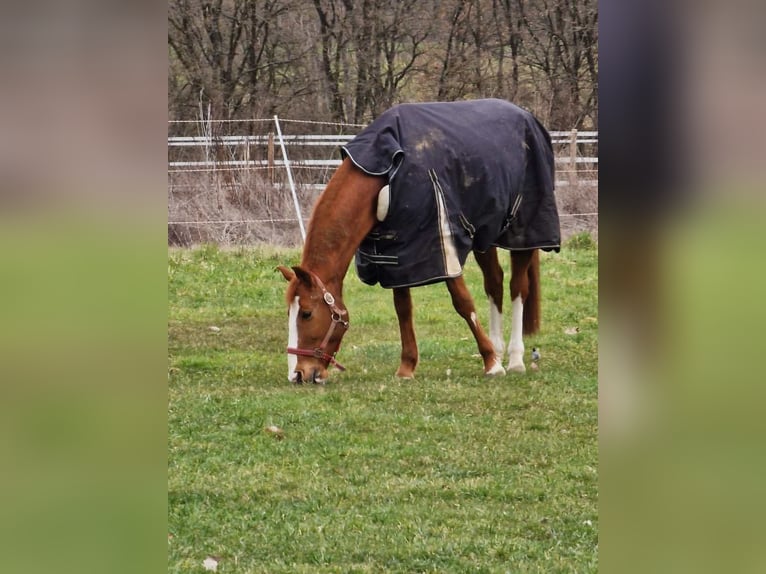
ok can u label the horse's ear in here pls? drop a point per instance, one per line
(286, 272)
(303, 276)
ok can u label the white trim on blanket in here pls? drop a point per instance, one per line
(451, 260)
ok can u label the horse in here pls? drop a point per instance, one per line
(417, 190)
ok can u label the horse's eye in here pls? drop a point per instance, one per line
(306, 315)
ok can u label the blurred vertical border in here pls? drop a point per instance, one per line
(683, 214)
(83, 297)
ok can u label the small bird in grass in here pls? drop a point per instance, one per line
(535, 354)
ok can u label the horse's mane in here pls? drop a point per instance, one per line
(342, 216)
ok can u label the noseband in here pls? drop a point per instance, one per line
(336, 315)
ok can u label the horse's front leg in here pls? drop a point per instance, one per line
(403, 306)
(463, 303)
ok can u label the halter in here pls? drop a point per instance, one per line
(336, 315)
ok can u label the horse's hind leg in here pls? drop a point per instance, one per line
(525, 304)
(463, 303)
(493, 287)
(403, 306)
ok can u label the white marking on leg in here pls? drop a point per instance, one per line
(292, 339)
(473, 318)
(516, 344)
(497, 369)
(496, 329)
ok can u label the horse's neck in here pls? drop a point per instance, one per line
(343, 215)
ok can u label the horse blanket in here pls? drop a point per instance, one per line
(462, 176)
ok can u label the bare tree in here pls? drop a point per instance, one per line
(399, 35)
(333, 29)
(561, 44)
(351, 59)
(233, 52)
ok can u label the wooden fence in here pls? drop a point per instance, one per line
(228, 180)
(238, 151)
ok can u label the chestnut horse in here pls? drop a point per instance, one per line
(317, 317)
(467, 163)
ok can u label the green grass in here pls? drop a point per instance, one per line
(451, 472)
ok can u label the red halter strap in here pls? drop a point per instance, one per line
(336, 315)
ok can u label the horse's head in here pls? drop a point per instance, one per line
(317, 322)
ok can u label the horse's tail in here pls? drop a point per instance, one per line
(531, 315)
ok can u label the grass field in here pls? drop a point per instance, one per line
(451, 472)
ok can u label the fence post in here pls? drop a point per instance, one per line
(573, 160)
(290, 179)
(270, 157)
(245, 178)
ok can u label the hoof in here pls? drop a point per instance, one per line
(403, 374)
(516, 362)
(497, 369)
(517, 368)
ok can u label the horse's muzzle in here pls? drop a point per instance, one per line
(317, 377)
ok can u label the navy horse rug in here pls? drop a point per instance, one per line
(462, 176)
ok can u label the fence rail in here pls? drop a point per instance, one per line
(321, 139)
(572, 138)
(315, 162)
